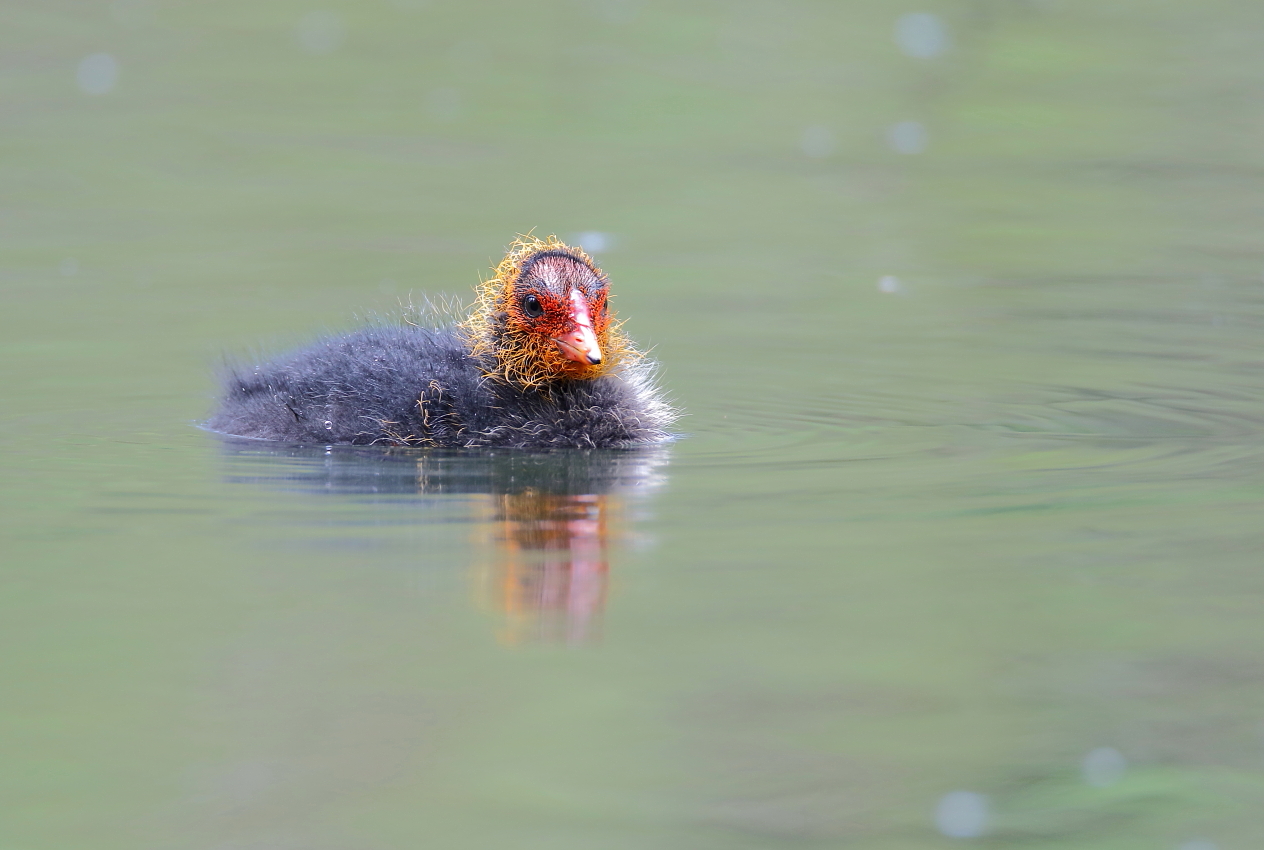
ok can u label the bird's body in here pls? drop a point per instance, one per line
(538, 364)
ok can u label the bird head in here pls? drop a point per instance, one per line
(545, 316)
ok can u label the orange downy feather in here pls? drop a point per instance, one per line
(520, 355)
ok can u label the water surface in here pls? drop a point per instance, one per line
(961, 539)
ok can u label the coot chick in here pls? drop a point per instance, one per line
(539, 363)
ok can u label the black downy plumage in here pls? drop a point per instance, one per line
(538, 364)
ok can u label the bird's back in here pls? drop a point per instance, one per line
(421, 387)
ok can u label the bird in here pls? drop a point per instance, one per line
(539, 362)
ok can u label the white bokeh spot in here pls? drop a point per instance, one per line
(97, 74)
(962, 814)
(594, 241)
(921, 35)
(1103, 767)
(907, 137)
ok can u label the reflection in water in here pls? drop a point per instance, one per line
(548, 519)
(550, 576)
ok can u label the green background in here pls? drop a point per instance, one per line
(951, 536)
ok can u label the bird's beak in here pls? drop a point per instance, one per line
(579, 343)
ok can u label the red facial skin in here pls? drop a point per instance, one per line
(568, 336)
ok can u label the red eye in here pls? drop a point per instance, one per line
(532, 307)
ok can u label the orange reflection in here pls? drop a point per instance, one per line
(551, 568)
(546, 522)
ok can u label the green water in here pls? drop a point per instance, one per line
(963, 535)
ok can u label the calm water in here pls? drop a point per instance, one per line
(961, 544)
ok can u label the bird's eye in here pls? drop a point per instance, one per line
(532, 307)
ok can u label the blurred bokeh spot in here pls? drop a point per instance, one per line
(1104, 767)
(921, 35)
(907, 137)
(97, 74)
(593, 241)
(962, 814)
